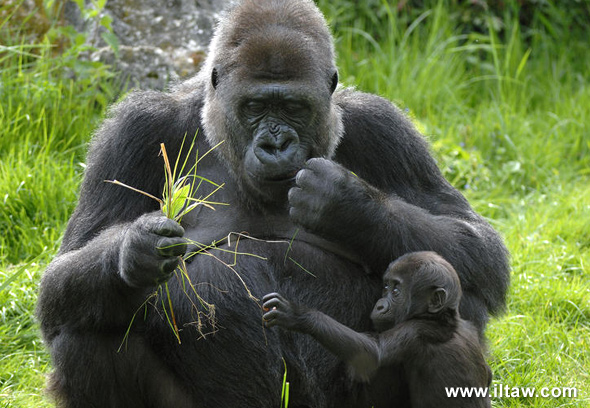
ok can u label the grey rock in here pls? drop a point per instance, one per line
(159, 41)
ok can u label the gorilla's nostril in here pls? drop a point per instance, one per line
(269, 148)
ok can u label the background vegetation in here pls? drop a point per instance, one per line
(501, 89)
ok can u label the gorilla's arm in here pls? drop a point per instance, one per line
(360, 351)
(110, 253)
(384, 196)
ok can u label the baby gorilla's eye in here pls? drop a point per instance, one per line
(391, 288)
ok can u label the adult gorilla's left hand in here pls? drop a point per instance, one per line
(328, 199)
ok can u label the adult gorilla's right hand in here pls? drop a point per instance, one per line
(151, 250)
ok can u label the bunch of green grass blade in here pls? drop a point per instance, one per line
(178, 199)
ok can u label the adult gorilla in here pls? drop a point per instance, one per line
(333, 185)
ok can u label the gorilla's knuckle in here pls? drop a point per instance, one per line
(339, 184)
(137, 243)
(148, 219)
(315, 163)
(303, 178)
(270, 296)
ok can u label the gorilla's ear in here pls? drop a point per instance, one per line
(437, 301)
(214, 78)
(334, 83)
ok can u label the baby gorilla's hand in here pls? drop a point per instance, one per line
(280, 312)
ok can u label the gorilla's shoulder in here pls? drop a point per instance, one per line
(361, 106)
(145, 114)
(377, 131)
(187, 96)
(375, 123)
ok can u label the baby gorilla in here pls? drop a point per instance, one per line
(418, 329)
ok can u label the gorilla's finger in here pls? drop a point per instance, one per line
(295, 214)
(271, 315)
(171, 247)
(269, 304)
(168, 228)
(163, 279)
(269, 296)
(294, 194)
(274, 303)
(302, 177)
(270, 323)
(300, 198)
(169, 265)
(315, 164)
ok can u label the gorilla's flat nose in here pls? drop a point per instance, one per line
(274, 129)
(278, 144)
(382, 306)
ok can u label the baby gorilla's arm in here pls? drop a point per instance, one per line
(359, 350)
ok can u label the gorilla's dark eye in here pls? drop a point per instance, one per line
(334, 82)
(392, 287)
(293, 108)
(214, 78)
(254, 108)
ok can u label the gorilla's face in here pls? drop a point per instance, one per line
(418, 284)
(270, 77)
(270, 128)
(278, 120)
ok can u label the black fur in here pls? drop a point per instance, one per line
(367, 191)
(420, 337)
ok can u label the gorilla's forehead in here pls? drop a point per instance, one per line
(279, 53)
(279, 39)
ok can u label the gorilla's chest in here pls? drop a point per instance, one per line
(228, 226)
(208, 225)
(234, 275)
(237, 253)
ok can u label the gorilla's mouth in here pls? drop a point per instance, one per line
(282, 178)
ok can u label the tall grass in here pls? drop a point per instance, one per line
(522, 106)
(45, 122)
(508, 119)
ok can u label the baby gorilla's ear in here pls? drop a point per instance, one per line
(437, 300)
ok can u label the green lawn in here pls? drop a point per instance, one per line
(508, 117)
